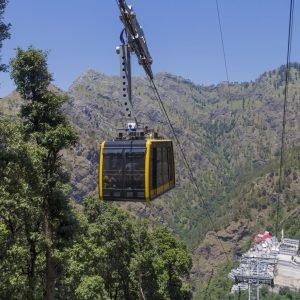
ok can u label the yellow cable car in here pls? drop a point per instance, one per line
(137, 166)
(135, 170)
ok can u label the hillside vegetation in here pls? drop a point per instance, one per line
(227, 131)
(230, 133)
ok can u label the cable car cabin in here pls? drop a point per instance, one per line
(136, 170)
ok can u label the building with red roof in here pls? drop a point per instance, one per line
(266, 236)
(262, 236)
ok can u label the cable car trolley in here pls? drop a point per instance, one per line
(138, 165)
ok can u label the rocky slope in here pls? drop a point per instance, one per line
(226, 131)
(251, 208)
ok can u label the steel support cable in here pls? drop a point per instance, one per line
(222, 41)
(223, 47)
(287, 78)
(190, 172)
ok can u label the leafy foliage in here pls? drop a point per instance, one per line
(217, 287)
(30, 73)
(19, 213)
(123, 258)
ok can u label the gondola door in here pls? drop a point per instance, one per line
(134, 173)
(113, 170)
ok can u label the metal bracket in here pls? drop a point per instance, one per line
(136, 36)
(125, 71)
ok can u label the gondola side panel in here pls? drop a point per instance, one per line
(162, 169)
(100, 175)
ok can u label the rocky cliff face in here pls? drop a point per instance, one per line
(210, 255)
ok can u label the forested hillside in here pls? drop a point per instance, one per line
(227, 131)
(230, 134)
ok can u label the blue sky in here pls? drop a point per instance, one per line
(183, 37)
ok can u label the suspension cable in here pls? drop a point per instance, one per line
(222, 41)
(287, 78)
(190, 172)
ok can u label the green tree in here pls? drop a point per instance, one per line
(46, 126)
(91, 288)
(122, 258)
(4, 31)
(218, 286)
(19, 214)
(171, 265)
(114, 232)
(101, 253)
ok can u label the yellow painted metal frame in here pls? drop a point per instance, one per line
(101, 172)
(147, 170)
(151, 193)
